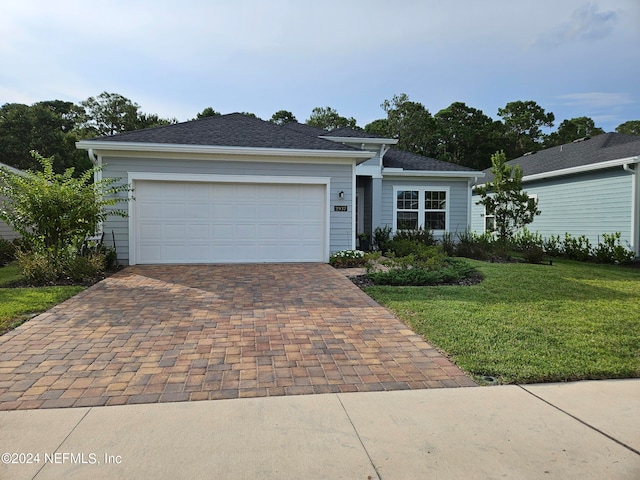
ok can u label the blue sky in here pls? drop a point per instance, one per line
(174, 58)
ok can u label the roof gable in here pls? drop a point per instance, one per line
(232, 130)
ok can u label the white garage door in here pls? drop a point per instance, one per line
(193, 222)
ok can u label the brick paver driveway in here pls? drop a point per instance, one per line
(178, 333)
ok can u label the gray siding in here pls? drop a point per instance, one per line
(341, 234)
(457, 201)
(6, 231)
(587, 204)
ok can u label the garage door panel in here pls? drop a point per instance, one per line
(180, 222)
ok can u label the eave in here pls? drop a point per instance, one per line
(398, 172)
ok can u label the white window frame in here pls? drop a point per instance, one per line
(421, 204)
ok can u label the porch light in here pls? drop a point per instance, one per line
(341, 195)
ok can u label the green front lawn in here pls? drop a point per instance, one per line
(531, 323)
(18, 304)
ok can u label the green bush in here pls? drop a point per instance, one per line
(420, 235)
(531, 245)
(454, 270)
(7, 251)
(448, 244)
(382, 237)
(576, 248)
(472, 245)
(553, 246)
(45, 266)
(611, 250)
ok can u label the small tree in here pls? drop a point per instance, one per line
(55, 211)
(504, 198)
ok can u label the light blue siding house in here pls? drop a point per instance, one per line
(235, 189)
(588, 187)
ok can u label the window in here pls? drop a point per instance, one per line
(421, 207)
(490, 218)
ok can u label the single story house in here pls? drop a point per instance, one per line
(587, 187)
(6, 231)
(235, 189)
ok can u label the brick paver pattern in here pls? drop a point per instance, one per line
(200, 332)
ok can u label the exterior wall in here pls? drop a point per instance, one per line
(588, 204)
(457, 202)
(341, 236)
(6, 231)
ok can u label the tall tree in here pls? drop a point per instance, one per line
(572, 129)
(207, 112)
(504, 198)
(466, 136)
(523, 123)
(632, 127)
(411, 123)
(109, 113)
(48, 127)
(328, 119)
(282, 117)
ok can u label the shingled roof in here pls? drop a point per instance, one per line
(588, 151)
(395, 158)
(232, 130)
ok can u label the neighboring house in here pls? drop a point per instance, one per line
(587, 187)
(6, 231)
(233, 188)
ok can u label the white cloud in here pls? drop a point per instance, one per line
(586, 23)
(596, 99)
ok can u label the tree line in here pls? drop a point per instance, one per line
(459, 134)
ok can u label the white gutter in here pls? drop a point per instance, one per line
(399, 172)
(96, 145)
(361, 140)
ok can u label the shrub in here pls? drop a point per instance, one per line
(454, 269)
(552, 246)
(577, 248)
(46, 266)
(420, 235)
(37, 267)
(82, 269)
(347, 258)
(7, 251)
(611, 250)
(531, 245)
(382, 237)
(448, 244)
(472, 245)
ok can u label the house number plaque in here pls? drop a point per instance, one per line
(339, 208)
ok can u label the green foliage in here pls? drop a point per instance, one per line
(448, 271)
(552, 246)
(282, 117)
(523, 122)
(7, 251)
(347, 259)
(207, 112)
(411, 123)
(632, 127)
(576, 248)
(382, 237)
(46, 267)
(611, 250)
(53, 211)
(472, 245)
(328, 119)
(504, 198)
(531, 245)
(419, 235)
(573, 129)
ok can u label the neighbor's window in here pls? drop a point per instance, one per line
(421, 208)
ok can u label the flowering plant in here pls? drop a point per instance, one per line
(347, 258)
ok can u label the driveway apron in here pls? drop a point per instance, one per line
(200, 332)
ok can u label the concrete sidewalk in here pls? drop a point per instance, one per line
(584, 430)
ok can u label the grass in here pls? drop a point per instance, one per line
(18, 304)
(531, 323)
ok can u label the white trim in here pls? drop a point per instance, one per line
(399, 172)
(361, 140)
(619, 162)
(97, 145)
(216, 178)
(421, 209)
(353, 208)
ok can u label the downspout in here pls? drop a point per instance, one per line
(470, 184)
(96, 160)
(635, 204)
